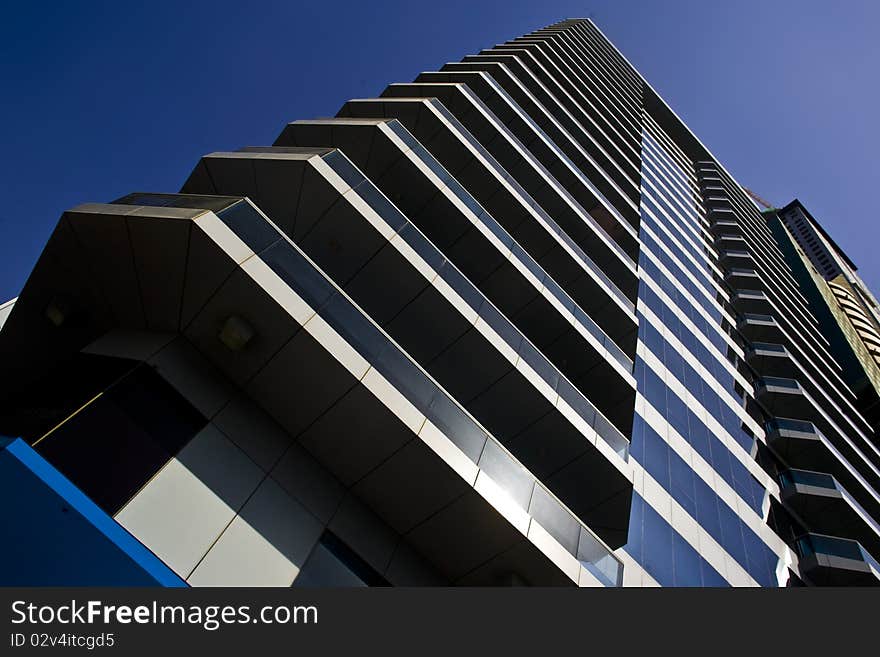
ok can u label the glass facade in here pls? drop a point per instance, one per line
(698, 401)
(510, 323)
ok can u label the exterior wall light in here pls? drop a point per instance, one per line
(235, 333)
(57, 311)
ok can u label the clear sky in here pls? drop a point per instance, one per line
(101, 99)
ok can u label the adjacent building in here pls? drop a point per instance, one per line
(510, 323)
(844, 306)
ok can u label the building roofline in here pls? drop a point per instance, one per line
(796, 203)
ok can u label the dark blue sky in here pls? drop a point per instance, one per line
(100, 99)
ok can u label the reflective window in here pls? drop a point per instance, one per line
(114, 444)
(250, 226)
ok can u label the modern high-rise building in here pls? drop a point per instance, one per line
(509, 323)
(847, 311)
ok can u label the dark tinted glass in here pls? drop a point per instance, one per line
(298, 273)
(114, 445)
(344, 167)
(250, 226)
(157, 408)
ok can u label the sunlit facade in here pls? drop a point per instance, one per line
(508, 324)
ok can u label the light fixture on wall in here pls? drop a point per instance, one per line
(57, 311)
(235, 333)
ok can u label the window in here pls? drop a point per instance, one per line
(113, 445)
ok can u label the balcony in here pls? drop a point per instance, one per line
(557, 117)
(619, 185)
(557, 93)
(832, 561)
(759, 328)
(430, 308)
(727, 240)
(785, 397)
(383, 258)
(750, 301)
(725, 227)
(305, 353)
(771, 359)
(523, 289)
(717, 203)
(802, 445)
(582, 177)
(742, 278)
(735, 258)
(820, 500)
(535, 173)
(719, 213)
(538, 230)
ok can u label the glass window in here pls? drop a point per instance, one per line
(117, 442)
(298, 273)
(250, 226)
(707, 508)
(656, 457)
(681, 485)
(344, 167)
(732, 534)
(711, 577)
(635, 544)
(655, 390)
(687, 569)
(651, 337)
(658, 559)
(761, 559)
(383, 207)
(677, 413)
